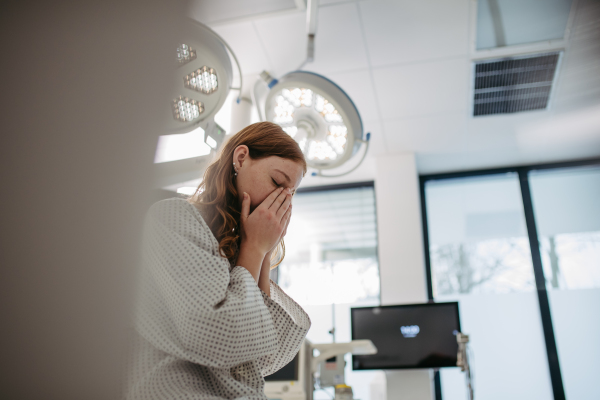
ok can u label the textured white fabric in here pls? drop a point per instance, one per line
(204, 330)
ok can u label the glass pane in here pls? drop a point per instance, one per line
(480, 257)
(567, 213)
(514, 22)
(331, 265)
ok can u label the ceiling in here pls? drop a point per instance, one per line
(407, 65)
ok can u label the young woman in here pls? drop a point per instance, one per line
(210, 323)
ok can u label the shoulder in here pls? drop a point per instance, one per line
(174, 209)
(177, 215)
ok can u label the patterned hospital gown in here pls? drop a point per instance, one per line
(204, 330)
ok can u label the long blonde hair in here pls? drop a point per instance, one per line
(217, 191)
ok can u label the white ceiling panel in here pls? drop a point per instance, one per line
(442, 133)
(521, 21)
(284, 38)
(423, 89)
(339, 44)
(498, 131)
(407, 31)
(244, 41)
(576, 133)
(223, 10)
(331, 2)
(406, 66)
(578, 84)
(357, 84)
(448, 162)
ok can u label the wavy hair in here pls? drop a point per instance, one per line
(217, 192)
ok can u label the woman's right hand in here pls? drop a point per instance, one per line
(264, 227)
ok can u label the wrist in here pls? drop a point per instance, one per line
(251, 258)
(252, 249)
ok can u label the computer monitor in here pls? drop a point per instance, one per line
(294, 381)
(407, 336)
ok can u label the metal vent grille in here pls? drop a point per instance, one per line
(513, 85)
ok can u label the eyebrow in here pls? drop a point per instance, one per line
(289, 181)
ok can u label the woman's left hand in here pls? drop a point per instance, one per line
(264, 281)
(287, 223)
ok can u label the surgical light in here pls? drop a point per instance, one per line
(199, 84)
(186, 109)
(185, 54)
(202, 80)
(319, 115)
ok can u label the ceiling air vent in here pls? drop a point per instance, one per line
(515, 84)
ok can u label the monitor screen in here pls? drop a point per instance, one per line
(407, 336)
(287, 373)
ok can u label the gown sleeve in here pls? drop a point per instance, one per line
(291, 325)
(190, 304)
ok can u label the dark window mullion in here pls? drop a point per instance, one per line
(540, 281)
(429, 277)
(437, 380)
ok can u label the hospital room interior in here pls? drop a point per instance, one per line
(445, 235)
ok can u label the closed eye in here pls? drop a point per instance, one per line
(276, 184)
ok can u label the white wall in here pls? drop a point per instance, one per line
(401, 256)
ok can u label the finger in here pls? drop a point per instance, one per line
(287, 217)
(279, 200)
(271, 198)
(245, 206)
(284, 206)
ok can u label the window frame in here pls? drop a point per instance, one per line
(542, 295)
(274, 274)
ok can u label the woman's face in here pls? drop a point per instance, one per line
(260, 177)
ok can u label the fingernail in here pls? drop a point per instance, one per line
(245, 195)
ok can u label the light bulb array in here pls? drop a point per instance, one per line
(327, 110)
(298, 97)
(320, 150)
(186, 109)
(319, 116)
(185, 54)
(335, 141)
(284, 111)
(337, 137)
(202, 80)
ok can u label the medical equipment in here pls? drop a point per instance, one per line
(314, 111)
(407, 336)
(328, 366)
(307, 372)
(463, 361)
(294, 381)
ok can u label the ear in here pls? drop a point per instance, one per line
(240, 155)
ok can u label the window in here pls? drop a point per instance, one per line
(567, 214)
(480, 257)
(519, 248)
(331, 265)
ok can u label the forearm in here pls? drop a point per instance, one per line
(251, 259)
(264, 280)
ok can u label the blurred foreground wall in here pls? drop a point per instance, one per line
(81, 98)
